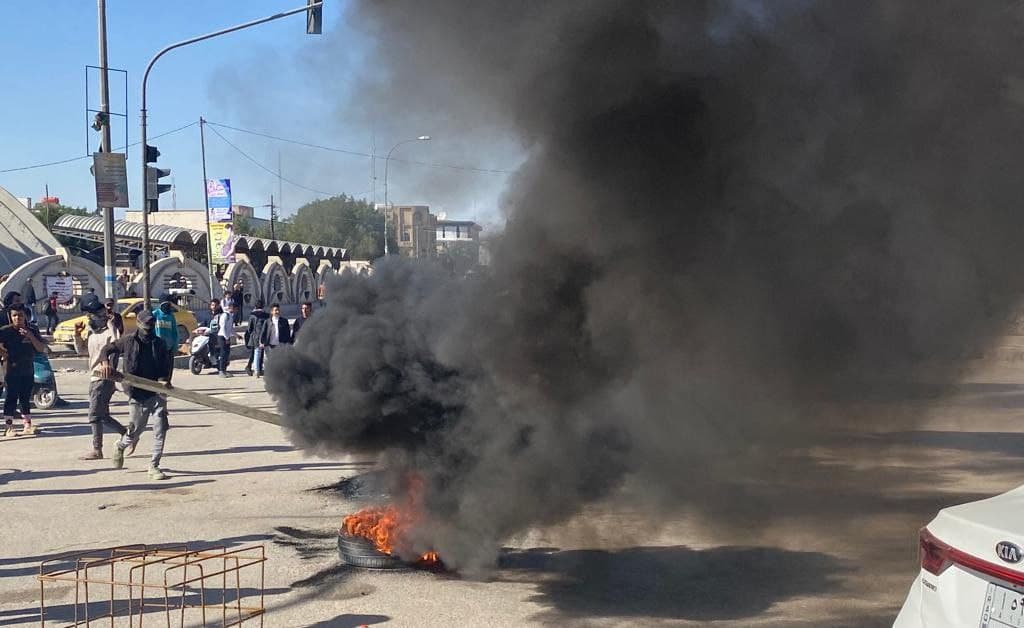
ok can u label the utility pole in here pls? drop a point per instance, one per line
(206, 204)
(47, 199)
(108, 212)
(280, 194)
(174, 194)
(273, 215)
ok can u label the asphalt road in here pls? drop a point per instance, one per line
(838, 550)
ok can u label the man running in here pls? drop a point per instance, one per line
(146, 356)
(102, 333)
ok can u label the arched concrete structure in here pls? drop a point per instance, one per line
(252, 287)
(277, 286)
(303, 281)
(84, 275)
(177, 275)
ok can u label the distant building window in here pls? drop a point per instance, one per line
(405, 235)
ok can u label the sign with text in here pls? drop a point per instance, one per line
(222, 231)
(111, 177)
(64, 286)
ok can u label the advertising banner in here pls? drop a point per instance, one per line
(222, 232)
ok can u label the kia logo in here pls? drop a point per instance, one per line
(1008, 552)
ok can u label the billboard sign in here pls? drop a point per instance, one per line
(222, 229)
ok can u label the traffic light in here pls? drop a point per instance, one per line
(314, 17)
(153, 186)
(151, 154)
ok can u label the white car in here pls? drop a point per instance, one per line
(972, 567)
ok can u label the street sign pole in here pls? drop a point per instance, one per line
(108, 212)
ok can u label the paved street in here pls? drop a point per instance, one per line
(840, 550)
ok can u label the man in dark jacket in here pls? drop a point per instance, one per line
(253, 333)
(145, 355)
(276, 332)
(116, 321)
(305, 310)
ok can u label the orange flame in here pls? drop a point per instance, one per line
(384, 525)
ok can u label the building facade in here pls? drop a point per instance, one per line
(458, 244)
(415, 230)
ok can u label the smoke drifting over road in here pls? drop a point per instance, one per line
(731, 212)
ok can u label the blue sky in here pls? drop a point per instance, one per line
(47, 44)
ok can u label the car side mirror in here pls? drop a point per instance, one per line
(129, 315)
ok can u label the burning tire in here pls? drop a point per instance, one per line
(360, 552)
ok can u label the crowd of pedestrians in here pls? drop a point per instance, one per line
(147, 352)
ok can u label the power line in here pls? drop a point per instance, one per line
(67, 161)
(261, 166)
(362, 154)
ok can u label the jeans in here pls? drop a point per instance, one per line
(52, 320)
(100, 392)
(223, 354)
(18, 394)
(140, 411)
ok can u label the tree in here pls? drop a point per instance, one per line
(49, 213)
(340, 221)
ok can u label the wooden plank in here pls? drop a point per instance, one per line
(209, 401)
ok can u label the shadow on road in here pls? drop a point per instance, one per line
(723, 583)
(350, 621)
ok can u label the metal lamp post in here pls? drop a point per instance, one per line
(309, 9)
(387, 207)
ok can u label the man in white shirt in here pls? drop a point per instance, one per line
(225, 333)
(102, 333)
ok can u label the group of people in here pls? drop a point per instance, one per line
(265, 332)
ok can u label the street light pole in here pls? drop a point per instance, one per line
(108, 212)
(142, 130)
(387, 161)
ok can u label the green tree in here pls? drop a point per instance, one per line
(49, 213)
(340, 221)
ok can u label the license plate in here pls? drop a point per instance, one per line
(1003, 607)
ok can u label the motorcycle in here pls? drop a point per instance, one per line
(44, 384)
(203, 354)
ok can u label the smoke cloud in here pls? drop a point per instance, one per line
(736, 218)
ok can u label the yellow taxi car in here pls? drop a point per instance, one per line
(129, 309)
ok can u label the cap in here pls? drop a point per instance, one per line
(145, 316)
(166, 298)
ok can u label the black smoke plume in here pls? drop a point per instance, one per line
(735, 218)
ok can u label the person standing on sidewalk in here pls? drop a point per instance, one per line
(21, 339)
(305, 311)
(102, 333)
(253, 334)
(276, 332)
(237, 299)
(52, 317)
(225, 327)
(115, 318)
(146, 356)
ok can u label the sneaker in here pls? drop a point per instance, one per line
(248, 371)
(156, 474)
(28, 429)
(95, 454)
(118, 457)
(9, 432)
